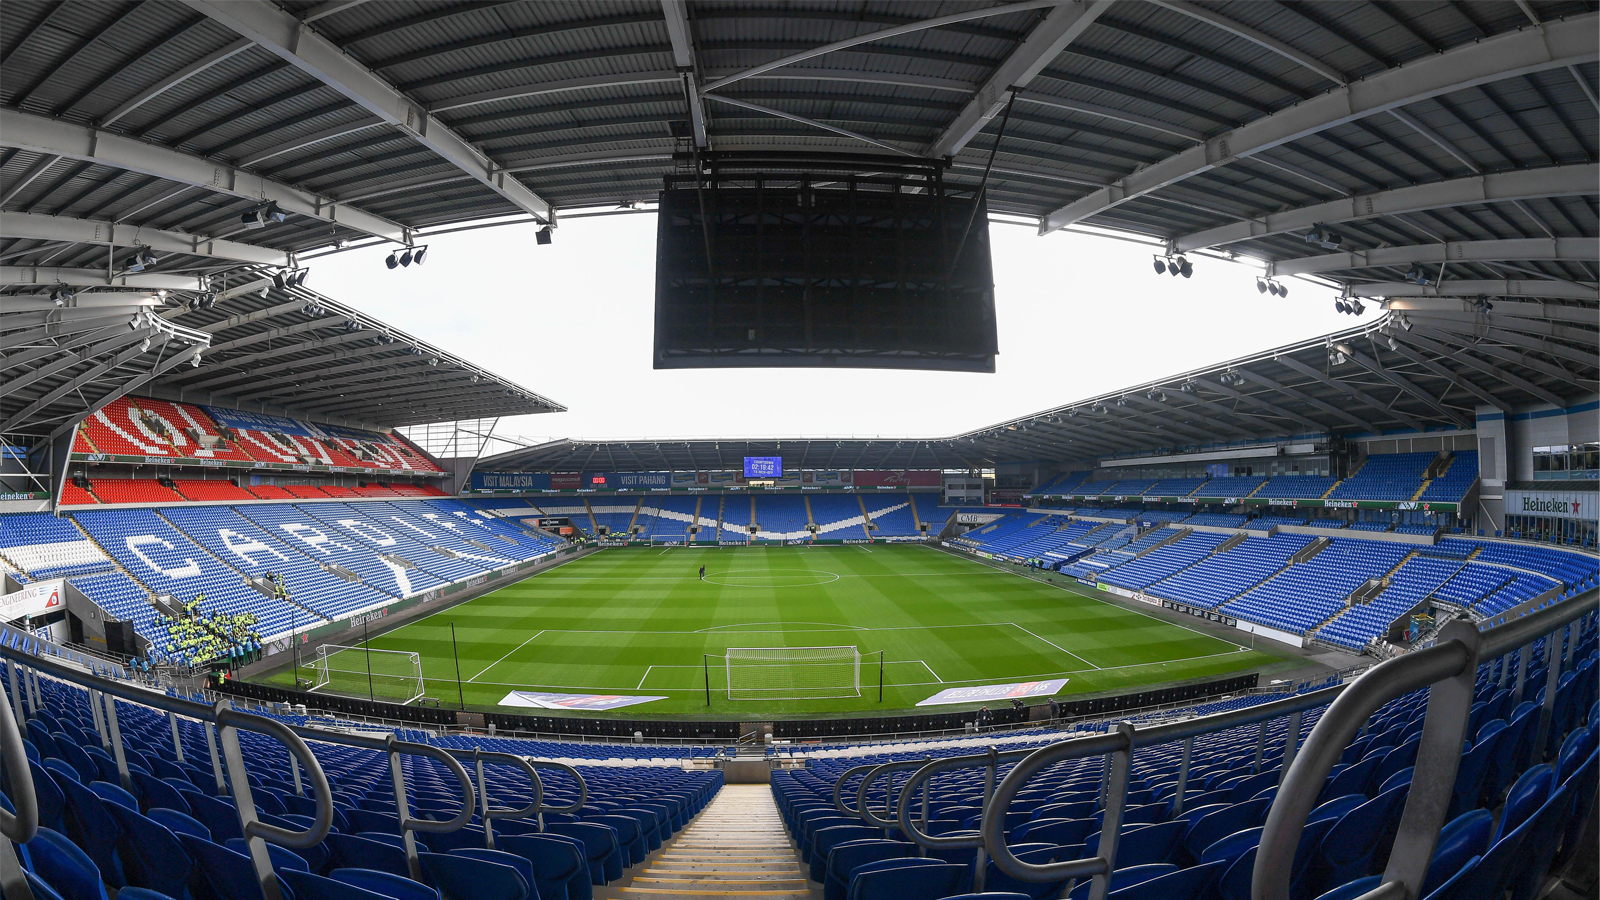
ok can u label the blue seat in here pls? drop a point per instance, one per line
(465, 878)
(351, 851)
(229, 874)
(1336, 807)
(1473, 766)
(1461, 885)
(1463, 838)
(1348, 850)
(1353, 779)
(178, 823)
(51, 801)
(64, 866)
(1511, 754)
(138, 893)
(92, 828)
(307, 886)
(1350, 890)
(1142, 845)
(113, 794)
(156, 792)
(221, 817)
(1055, 831)
(1212, 827)
(1122, 878)
(845, 858)
(1538, 849)
(1526, 796)
(152, 855)
(283, 859)
(824, 840)
(559, 869)
(1193, 883)
(1036, 854)
(1237, 879)
(504, 858)
(387, 884)
(599, 847)
(906, 879)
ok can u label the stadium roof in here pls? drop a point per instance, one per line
(1428, 365)
(1440, 147)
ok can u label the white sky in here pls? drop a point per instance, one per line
(1078, 316)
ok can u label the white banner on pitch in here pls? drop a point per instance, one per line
(987, 692)
(545, 700)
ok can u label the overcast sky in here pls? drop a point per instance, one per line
(1078, 316)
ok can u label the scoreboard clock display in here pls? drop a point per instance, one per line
(763, 467)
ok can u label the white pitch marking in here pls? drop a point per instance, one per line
(1057, 646)
(502, 659)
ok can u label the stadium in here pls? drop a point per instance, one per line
(292, 610)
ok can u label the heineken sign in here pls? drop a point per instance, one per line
(1553, 504)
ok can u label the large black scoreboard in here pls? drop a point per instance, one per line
(808, 270)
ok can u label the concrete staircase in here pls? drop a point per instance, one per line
(736, 847)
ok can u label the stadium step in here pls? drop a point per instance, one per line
(737, 847)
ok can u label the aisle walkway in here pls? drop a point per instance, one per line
(736, 847)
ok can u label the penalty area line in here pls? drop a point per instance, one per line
(1055, 645)
(503, 658)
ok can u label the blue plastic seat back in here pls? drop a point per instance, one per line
(1193, 883)
(138, 893)
(65, 866)
(1125, 877)
(1054, 831)
(558, 863)
(465, 878)
(112, 793)
(1142, 845)
(1529, 793)
(387, 884)
(845, 858)
(600, 848)
(1350, 890)
(1533, 861)
(221, 817)
(351, 851)
(1350, 845)
(1336, 807)
(367, 820)
(1463, 885)
(52, 802)
(1212, 827)
(1463, 838)
(229, 874)
(157, 860)
(89, 826)
(178, 822)
(307, 886)
(823, 842)
(1231, 847)
(928, 880)
(504, 858)
(283, 859)
(444, 842)
(1036, 854)
(158, 793)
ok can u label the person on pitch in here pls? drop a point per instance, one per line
(702, 573)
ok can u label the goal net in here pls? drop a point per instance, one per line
(392, 675)
(793, 673)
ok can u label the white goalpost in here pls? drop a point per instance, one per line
(793, 673)
(392, 675)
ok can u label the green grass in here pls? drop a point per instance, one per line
(639, 621)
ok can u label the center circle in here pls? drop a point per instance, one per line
(771, 578)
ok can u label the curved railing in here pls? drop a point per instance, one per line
(222, 725)
(1449, 667)
(1449, 670)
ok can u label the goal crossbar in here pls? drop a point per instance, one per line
(394, 675)
(793, 673)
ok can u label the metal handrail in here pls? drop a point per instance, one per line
(864, 811)
(1120, 744)
(21, 827)
(989, 759)
(1449, 668)
(838, 788)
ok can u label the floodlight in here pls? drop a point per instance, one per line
(393, 261)
(144, 346)
(1187, 387)
(194, 361)
(1122, 401)
(1393, 344)
(1405, 322)
(1261, 286)
(1356, 307)
(419, 254)
(140, 260)
(1417, 275)
(62, 295)
(1324, 237)
(1184, 267)
(1283, 289)
(1161, 267)
(543, 235)
(405, 257)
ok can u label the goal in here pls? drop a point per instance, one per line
(392, 675)
(793, 673)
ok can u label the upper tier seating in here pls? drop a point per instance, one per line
(1164, 562)
(1065, 483)
(1363, 623)
(1231, 486)
(1295, 487)
(1457, 479)
(47, 547)
(1386, 476)
(736, 517)
(1266, 523)
(1175, 487)
(1219, 520)
(668, 518)
(327, 544)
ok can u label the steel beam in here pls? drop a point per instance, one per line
(1556, 44)
(36, 226)
(1404, 348)
(1060, 27)
(676, 13)
(1525, 184)
(1522, 249)
(299, 143)
(117, 340)
(1559, 290)
(1352, 392)
(28, 177)
(1307, 399)
(43, 135)
(1519, 309)
(1405, 384)
(1238, 29)
(1106, 112)
(73, 384)
(150, 281)
(161, 368)
(1255, 400)
(280, 33)
(173, 80)
(842, 132)
(1493, 371)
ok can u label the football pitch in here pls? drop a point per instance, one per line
(640, 621)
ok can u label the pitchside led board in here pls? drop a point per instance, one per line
(799, 271)
(763, 467)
